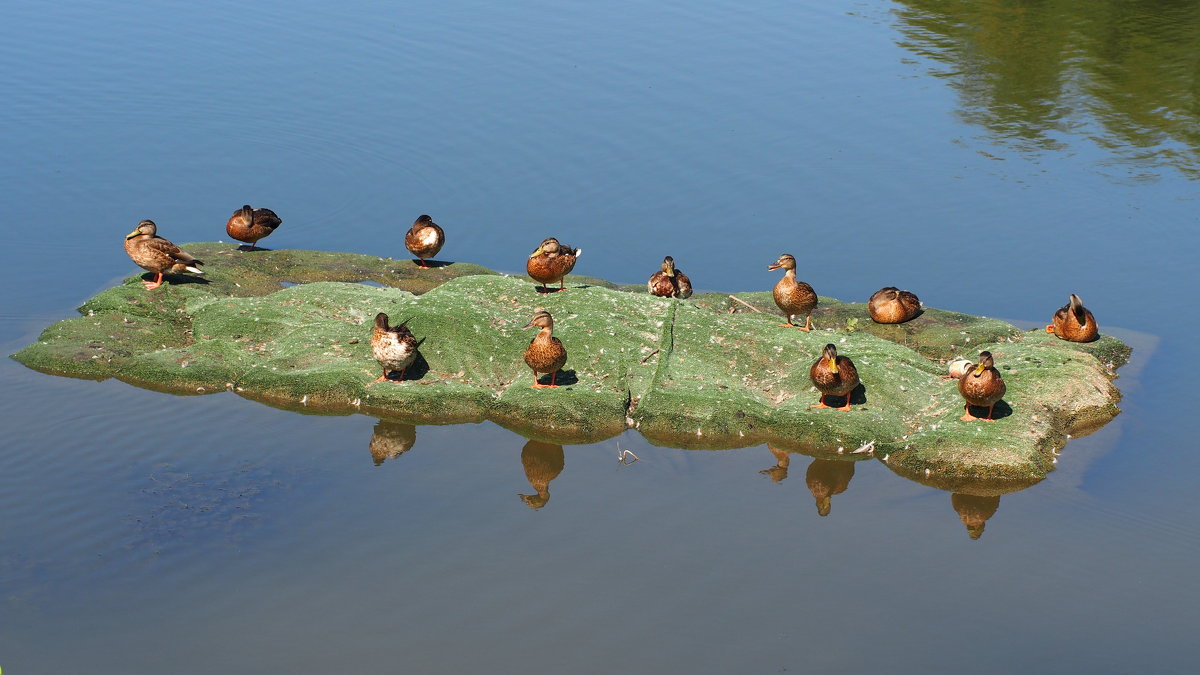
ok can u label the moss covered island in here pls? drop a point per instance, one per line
(292, 329)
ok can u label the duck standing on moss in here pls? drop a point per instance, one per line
(791, 296)
(251, 225)
(981, 386)
(550, 262)
(424, 239)
(833, 375)
(892, 305)
(394, 347)
(545, 353)
(155, 254)
(669, 281)
(1074, 322)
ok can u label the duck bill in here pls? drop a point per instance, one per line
(133, 234)
(528, 325)
(774, 266)
(536, 253)
(979, 369)
(833, 365)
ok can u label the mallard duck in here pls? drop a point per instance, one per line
(545, 353)
(543, 462)
(892, 305)
(783, 459)
(981, 386)
(395, 347)
(826, 478)
(424, 239)
(669, 282)
(155, 254)
(551, 262)
(1074, 322)
(833, 375)
(793, 297)
(250, 225)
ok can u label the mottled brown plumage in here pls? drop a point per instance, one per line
(551, 262)
(833, 375)
(981, 386)
(669, 282)
(251, 225)
(892, 305)
(793, 297)
(545, 353)
(424, 239)
(155, 254)
(390, 440)
(395, 348)
(1074, 322)
(825, 478)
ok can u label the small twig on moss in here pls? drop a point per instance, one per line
(737, 299)
(647, 357)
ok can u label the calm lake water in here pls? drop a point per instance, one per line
(991, 156)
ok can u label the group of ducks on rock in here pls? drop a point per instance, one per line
(834, 375)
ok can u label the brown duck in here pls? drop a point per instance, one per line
(892, 305)
(545, 353)
(793, 297)
(833, 375)
(669, 282)
(826, 478)
(1074, 322)
(250, 225)
(424, 239)
(155, 254)
(395, 348)
(543, 462)
(551, 262)
(981, 386)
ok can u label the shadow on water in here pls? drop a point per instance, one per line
(1031, 73)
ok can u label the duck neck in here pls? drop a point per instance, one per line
(545, 334)
(790, 274)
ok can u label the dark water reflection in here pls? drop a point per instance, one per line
(1043, 77)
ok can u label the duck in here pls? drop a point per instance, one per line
(542, 462)
(250, 225)
(791, 296)
(1074, 322)
(155, 254)
(669, 282)
(394, 347)
(545, 353)
(424, 239)
(892, 305)
(826, 478)
(551, 262)
(833, 375)
(981, 386)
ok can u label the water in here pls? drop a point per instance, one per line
(993, 158)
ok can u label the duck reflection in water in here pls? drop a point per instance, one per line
(825, 478)
(974, 511)
(391, 439)
(783, 458)
(543, 462)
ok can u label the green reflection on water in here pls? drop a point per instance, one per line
(1037, 74)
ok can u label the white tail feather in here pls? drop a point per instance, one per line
(193, 269)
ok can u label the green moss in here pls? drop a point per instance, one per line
(707, 372)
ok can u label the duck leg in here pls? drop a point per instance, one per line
(789, 322)
(807, 327)
(151, 285)
(1050, 328)
(382, 377)
(421, 264)
(552, 378)
(821, 404)
(847, 406)
(968, 417)
(536, 384)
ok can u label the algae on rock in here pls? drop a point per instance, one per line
(694, 373)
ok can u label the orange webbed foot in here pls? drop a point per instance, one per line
(1050, 328)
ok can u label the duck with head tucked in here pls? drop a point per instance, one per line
(791, 296)
(155, 254)
(981, 386)
(670, 282)
(833, 375)
(545, 353)
(550, 262)
(424, 239)
(250, 225)
(394, 347)
(892, 305)
(1074, 322)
